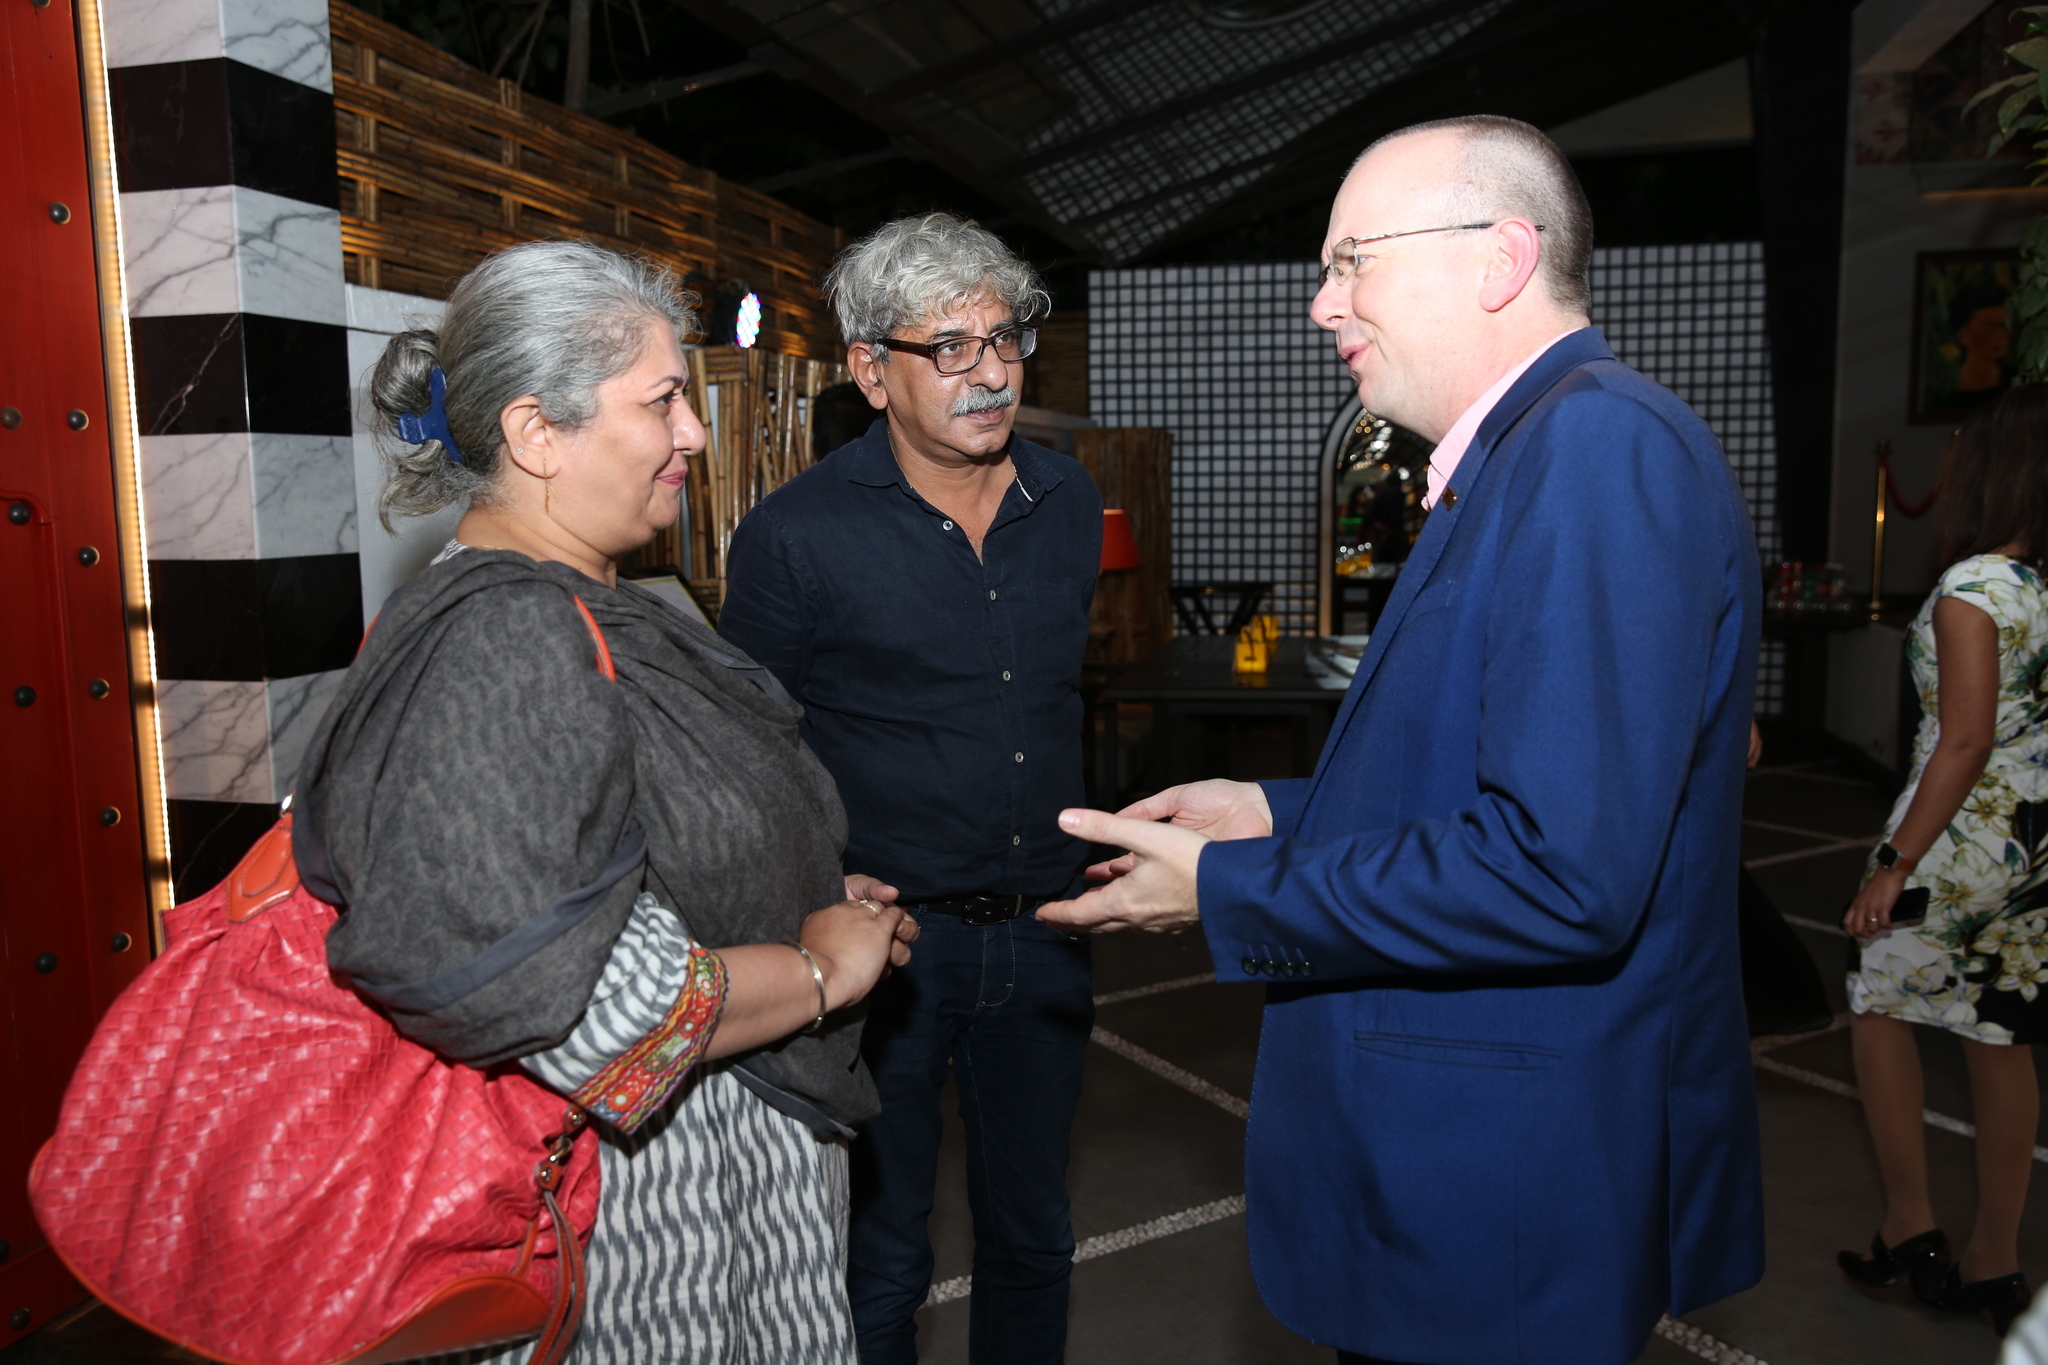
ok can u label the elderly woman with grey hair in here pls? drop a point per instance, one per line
(489, 767)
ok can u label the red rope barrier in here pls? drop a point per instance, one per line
(1907, 509)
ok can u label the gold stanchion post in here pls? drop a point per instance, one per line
(1884, 451)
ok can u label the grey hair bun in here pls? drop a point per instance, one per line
(420, 479)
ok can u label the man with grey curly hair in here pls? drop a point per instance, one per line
(924, 592)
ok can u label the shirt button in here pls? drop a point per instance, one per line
(1020, 758)
(1016, 839)
(945, 525)
(1006, 675)
(991, 594)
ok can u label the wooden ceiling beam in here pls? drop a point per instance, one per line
(1083, 20)
(765, 46)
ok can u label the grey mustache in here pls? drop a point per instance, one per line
(978, 399)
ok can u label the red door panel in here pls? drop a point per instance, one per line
(73, 897)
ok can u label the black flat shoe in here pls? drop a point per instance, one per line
(1920, 1259)
(2005, 1297)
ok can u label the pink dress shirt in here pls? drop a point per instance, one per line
(1444, 462)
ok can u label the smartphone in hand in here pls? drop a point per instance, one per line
(1909, 911)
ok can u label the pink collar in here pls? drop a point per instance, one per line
(1449, 451)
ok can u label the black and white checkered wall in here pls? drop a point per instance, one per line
(1226, 358)
(231, 243)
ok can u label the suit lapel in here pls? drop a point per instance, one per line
(1584, 345)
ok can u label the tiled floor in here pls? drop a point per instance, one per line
(1151, 1146)
(1143, 1153)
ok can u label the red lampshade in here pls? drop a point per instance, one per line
(1119, 550)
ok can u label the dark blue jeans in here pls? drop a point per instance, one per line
(1008, 1009)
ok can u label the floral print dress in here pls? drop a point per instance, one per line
(1978, 964)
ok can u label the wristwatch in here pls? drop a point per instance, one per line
(1891, 860)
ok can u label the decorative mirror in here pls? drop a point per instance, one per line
(1373, 477)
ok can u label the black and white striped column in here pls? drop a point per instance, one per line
(231, 240)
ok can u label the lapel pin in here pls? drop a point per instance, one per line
(1450, 497)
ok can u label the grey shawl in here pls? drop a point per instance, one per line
(483, 806)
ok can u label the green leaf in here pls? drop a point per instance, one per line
(2024, 78)
(2030, 52)
(2016, 105)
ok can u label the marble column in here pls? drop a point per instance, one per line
(231, 239)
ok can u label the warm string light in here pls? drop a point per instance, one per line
(1382, 434)
(125, 435)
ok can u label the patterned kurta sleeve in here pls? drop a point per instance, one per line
(650, 1020)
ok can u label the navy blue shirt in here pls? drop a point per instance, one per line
(942, 691)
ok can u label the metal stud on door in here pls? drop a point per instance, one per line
(72, 880)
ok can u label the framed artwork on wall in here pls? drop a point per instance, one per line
(1961, 346)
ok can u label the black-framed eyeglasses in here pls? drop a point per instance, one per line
(1344, 255)
(958, 355)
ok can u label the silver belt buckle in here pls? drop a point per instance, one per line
(991, 910)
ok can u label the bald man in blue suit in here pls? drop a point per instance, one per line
(1504, 1111)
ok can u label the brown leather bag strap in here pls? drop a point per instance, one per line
(572, 1286)
(266, 875)
(558, 1334)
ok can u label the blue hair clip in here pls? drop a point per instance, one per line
(433, 424)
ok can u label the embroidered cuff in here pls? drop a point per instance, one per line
(635, 1083)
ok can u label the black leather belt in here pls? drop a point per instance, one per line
(982, 910)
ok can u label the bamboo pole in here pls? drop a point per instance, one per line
(756, 408)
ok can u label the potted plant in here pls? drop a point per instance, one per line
(2023, 112)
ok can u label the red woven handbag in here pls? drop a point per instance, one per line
(255, 1164)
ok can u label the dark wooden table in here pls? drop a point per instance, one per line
(1190, 682)
(1803, 724)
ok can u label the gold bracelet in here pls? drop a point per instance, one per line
(817, 977)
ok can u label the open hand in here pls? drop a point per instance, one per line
(1155, 882)
(1216, 809)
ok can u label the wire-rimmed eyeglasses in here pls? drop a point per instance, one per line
(1344, 255)
(958, 355)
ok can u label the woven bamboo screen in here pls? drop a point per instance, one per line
(757, 413)
(780, 254)
(442, 164)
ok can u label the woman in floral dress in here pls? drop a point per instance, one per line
(1952, 920)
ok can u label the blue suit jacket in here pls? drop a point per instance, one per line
(1504, 1109)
